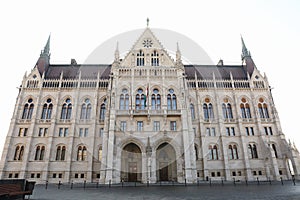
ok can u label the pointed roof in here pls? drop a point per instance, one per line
(247, 59)
(245, 52)
(46, 50)
(147, 42)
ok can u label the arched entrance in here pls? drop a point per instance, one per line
(131, 163)
(166, 164)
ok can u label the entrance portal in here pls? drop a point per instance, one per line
(166, 163)
(131, 169)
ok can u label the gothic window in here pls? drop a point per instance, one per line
(227, 109)
(233, 152)
(192, 108)
(103, 110)
(28, 109)
(171, 100)
(263, 109)
(213, 152)
(154, 59)
(86, 109)
(196, 153)
(140, 100)
(274, 149)
(245, 109)
(140, 59)
(81, 153)
(19, 151)
(155, 100)
(47, 109)
(100, 154)
(60, 153)
(124, 100)
(252, 150)
(39, 153)
(139, 125)
(66, 110)
(208, 109)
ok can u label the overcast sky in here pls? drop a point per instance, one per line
(271, 31)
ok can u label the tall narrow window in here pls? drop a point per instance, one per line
(66, 109)
(28, 109)
(60, 153)
(173, 126)
(208, 109)
(100, 154)
(192, 108)
(39, 153)
(139, 125)
(171, 100)
(275, 151)
(123, 126)
(252, 150)
(245, 109)
(155, 100)
(86, 109)
(81, 153)
(233, 152)
(47, 109)
(227, 109)
(103, 110)
(263, 109)
(196, 153)
(213, 152)
(140, 100)
(140, 60)
(154, 58)
(124, 100)
(19, 151)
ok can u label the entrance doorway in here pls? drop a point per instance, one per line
(166, 163)
(131, 163)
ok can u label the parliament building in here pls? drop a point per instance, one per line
(146, 117)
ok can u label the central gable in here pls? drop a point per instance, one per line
(147, 51)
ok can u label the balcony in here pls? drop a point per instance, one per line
(44, 121)
(24, 120)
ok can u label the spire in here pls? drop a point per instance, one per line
(46, 50)
(147, 21)
(245, 52)
(178, 54)
(117, 54)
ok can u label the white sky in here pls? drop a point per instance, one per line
(271, 31)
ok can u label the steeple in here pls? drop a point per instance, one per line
(245, 52)
(178, 56)
(46, 51)
(117, 53)
(44, 59)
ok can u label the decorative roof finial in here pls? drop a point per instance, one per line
(178, 54)
(147, 21)
(117, 54)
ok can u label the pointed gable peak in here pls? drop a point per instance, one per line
(146, 46)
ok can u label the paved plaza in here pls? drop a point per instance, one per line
(205, 191)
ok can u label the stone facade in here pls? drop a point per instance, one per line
(148, 118)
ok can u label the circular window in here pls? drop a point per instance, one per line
(140, 91)
(30, 100)
(171, 91)
(155, 91)
(68, 100)
(226, 100)
(207, 100)
(124, 90)
(48, 100)
(87, 101)
(244, 100)
(261, 100)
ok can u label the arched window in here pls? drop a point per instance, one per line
(154, 58)
(140, 60)
(140, 100)
(227, 109)
(208, 109)
(81, 153)
(213, 152)
(274, 149)
(192, 108)
(155, 100)
(103, 110)
(28, 109)
(196, 153)
(233, 152)
(171, 100)
(252, 150)
(19, 151)
(39, 153)
(245, 109)
(86, 109)
(47, 109)
(100, 154)
(60, 153)
(263, 109)
(66, 110)
(124, 100)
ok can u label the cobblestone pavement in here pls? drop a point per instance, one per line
(274, 191)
